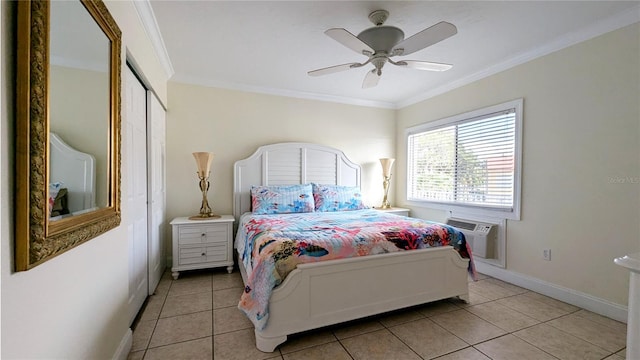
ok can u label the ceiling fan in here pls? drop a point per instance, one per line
(382, 42)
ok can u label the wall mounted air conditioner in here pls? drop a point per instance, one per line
(482, 237)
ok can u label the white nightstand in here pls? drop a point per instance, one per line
(395, 210)
(200, 244)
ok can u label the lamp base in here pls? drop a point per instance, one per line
(383, 207)
(204, 217)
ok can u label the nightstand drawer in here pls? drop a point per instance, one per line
(202, 243)
(202, 254)
(202, 234)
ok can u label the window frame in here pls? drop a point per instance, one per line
(478, 210)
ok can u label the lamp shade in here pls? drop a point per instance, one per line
(203, 160)
(386, 166)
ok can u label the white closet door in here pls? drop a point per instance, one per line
(157, 190)
(135, 135)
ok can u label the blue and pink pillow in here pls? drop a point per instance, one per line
(281, 199)
(337, 198)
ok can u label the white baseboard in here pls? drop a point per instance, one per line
(122, 352)
(573, 297)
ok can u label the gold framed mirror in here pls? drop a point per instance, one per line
(68, 81)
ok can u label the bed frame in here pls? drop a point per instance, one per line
(77, 172)
(330, 292)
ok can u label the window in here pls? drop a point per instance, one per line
(469, 162)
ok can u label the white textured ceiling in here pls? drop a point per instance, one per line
(268, 46)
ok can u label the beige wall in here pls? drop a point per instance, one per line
(73, 306)
(581, 160)
(233, 124)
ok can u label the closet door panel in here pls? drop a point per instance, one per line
(157, 191)
(136, 194)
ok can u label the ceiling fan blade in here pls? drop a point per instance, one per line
(423, 65)
(371, 79)
(333, 69)
(349, 40)
(424, 38)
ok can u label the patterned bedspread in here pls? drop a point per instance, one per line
(271, 246)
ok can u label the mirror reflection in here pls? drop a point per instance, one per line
(79, 105)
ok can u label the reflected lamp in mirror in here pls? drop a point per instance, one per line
(386, 175)
(203, 161)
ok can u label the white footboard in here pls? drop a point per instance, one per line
(330, 292)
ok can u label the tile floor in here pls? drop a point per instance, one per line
(196, 317)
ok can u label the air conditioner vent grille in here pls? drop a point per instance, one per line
(461, 224)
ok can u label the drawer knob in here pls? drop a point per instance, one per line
(203, 254)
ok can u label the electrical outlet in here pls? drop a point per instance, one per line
(546, 254)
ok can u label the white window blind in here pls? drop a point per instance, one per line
(467, 161)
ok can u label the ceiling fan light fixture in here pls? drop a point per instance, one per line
(379, 62)
(382, 38)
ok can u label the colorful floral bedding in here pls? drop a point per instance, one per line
(271, 246)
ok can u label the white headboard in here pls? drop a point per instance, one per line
(289, 164)
(76, 171)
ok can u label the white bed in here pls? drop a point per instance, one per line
(329, 292)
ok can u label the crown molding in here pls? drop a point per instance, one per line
(612, 23)
(150, 25)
